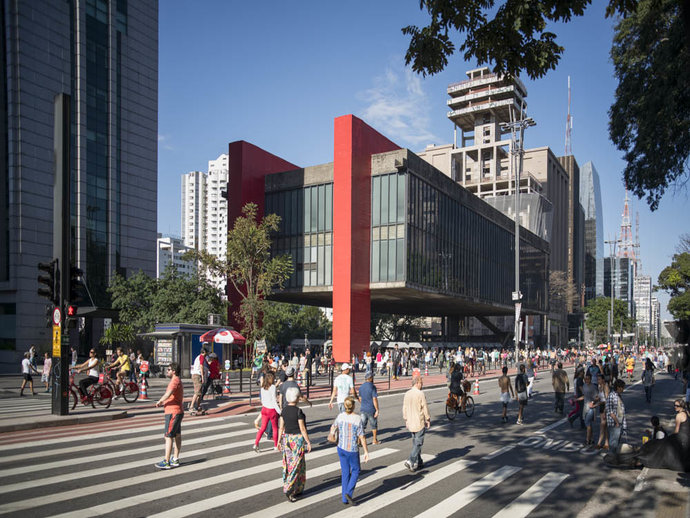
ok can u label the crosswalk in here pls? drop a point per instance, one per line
(97, 474)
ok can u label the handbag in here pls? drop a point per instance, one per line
(333, 436)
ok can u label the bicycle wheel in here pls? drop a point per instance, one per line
(469, 406)
(451, 411)
(103, 395)
(130, 392)
(73, 399)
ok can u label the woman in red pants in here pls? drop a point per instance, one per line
(269, 410)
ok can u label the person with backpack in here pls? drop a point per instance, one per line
(607, 369)
(521, 384)
(648, 379)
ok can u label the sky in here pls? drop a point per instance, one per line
(276, 74)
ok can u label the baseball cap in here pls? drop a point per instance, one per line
(345, 367)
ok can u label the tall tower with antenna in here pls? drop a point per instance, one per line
(568, 127)
(626, 245)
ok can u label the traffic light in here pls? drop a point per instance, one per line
(71, 317)
(76, 286)
(50, 281)
(49, 315)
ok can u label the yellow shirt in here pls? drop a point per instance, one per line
(630, 364)
(123, 362)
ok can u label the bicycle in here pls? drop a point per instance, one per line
(96, 393)
(129, 389)
(453, 405)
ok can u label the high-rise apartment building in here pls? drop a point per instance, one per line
(193, 209)
(642, 296)
(655, 327)
(104, 55)
(590, 199)
(170, 252)
(619, 270)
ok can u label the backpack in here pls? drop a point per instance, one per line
(520, 383)
(607, 371)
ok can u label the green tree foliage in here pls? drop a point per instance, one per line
(650, 117)
(675, 279)
(403, 328)
(143, 301)
(118, 335)
(285, 322)
(596, 315)
(249, 268)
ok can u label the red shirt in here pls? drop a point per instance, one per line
(214, 369)
(173, 405)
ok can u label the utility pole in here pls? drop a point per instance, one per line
(612, 247)
(517, 153)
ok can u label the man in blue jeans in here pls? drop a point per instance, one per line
(417, 420)
(369, 401)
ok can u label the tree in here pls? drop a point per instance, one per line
(133, 297)
(403, 328)
(650, 117)
(562, 294)
(284, 322)
(118, 335)
(684, 245)
(249, 268)
(596, 315)
(675, 280)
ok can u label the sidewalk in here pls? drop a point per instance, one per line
(232, 404)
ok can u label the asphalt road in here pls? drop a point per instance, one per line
(474, 466)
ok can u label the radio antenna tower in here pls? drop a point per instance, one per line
(626, 245)
(568, 127)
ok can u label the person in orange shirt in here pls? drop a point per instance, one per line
(171, 401)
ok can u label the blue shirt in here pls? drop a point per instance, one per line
(367, 392)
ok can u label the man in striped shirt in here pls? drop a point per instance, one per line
(615, 416)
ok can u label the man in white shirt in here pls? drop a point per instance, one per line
(199, 372)
(343, 386)
(26, 373)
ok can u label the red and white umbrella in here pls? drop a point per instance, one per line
(222, 336)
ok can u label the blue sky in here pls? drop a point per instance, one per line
(276, 74)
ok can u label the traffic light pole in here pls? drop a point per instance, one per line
(61, 247)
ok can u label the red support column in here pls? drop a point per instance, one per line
(354, 143)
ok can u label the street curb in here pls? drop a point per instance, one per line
(62, 421)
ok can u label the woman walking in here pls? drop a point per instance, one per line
(604, 390)
(648, 379)
(530, 377)
(350, 432)
(269, 410)
(293, 439)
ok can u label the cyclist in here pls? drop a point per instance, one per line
(125, 367)
(456, 377)
(92, 377)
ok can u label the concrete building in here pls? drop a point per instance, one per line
(620, 271)
(379, 229)
(193, 209)
(105, 56)
(590, 199)
(642, 297)
(655, 326)
(170, 251)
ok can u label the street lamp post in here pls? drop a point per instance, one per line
(517, 153)
(612, 247)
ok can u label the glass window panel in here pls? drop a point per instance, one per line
(328, 280)
(384, 200)
(392, 198)
(401, 198)
(375, 261)
(383, 264)
(320, 266)
(293, 212)
(306, 203)
(391, 259)
(314, 209)
(322, 207)
(376, 201)
(329, 207)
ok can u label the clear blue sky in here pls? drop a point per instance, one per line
(276, 74)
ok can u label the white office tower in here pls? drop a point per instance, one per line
(642, 296)
(193, 209)
(216, 234)
(170, 252)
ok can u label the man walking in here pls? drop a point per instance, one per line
(172, 404)
(521, 384)
(561, 385)
(506, 392)
(417, 420)
(343, 386)
(396, 362)
(27, 368)
(369, 409)
(199, 371)
(590, 398)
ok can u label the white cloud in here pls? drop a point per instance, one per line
(162, 142)
(398, 107)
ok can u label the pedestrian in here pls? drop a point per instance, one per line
(27, 369)
(604, 390)
(308, 368)
(288, 384)
(521, 384)
(343, 386)
(199, 372)
(579, 411)
(350, 432)
(396, 362)
(561, 385)
(45, 375)
(369, 406)
(529, 372)
(269, 410)
(590, 405)
(293, 440)
(32, 355)
(417, 420)
(171, 402)
(74, 356)
(506, 392)
(648, 379)
(615, 416)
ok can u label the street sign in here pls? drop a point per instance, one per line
(260, 346)
(144, 366)
(518, 306)
(57, 340)
(57, 317)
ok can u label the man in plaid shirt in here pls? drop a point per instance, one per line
(615, 416)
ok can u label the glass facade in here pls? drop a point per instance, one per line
(306, 233)
(388, 261)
